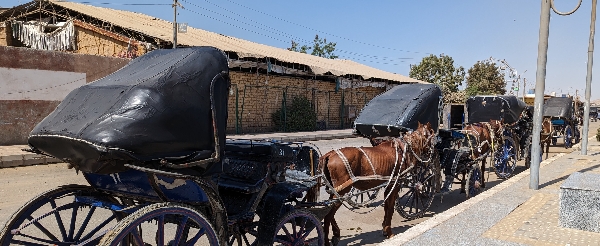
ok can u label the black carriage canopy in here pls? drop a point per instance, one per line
(558, 107)
(508, 109)
(158, 107)
(399, 109)
(593, 109)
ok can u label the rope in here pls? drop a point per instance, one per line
(368, 159)
(393, 177)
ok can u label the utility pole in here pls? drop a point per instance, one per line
(540, 84)
(588, 82)
(175, 3)
(524, 89)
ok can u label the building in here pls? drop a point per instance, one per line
(55, 46)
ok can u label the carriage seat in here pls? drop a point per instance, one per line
(247, 163)
(444, 133)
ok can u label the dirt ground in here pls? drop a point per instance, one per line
(18, 185)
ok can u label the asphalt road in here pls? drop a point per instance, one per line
(19, 185)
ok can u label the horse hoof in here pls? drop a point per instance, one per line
(387, 232)
(335, 240)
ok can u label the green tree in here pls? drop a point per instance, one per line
(301, 49)
(440, 70)
(485, 78)
(320, 48)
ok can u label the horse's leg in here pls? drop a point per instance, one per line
(335, 239)
(329, 220)
(463, 182)
(547, 148)
(483, 162)
(389, 212)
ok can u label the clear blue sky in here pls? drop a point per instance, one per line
(392, 34)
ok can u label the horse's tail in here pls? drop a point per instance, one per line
(314, 192)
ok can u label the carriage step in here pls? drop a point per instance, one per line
(97, 202)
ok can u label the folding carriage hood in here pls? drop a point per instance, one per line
(560, 107)
(160, 106)
(400, 109)
(486, 108)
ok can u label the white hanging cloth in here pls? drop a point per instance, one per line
(30, 34)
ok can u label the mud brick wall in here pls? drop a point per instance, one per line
(94, 67)
(90, 42)
(18, 117)
(260, 95)
(5, 35)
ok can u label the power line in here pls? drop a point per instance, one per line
(356, 41)
(134, 4)
(277, 32)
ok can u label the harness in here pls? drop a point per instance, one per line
(396, 143)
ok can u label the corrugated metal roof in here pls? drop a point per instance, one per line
(158, 28)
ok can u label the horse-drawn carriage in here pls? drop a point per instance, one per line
(512, 141)
(593, 114)
(559, 111)
(392, 115)
(150, 141)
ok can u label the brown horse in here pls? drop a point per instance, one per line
(487, 137)
(359, 168)
(546, 135)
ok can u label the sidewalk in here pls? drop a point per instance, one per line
(510, 213)
(13, 156)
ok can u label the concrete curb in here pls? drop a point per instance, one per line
(438, 219)
(26, 159)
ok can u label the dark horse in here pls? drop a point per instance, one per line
(358, 167)
(488, 136)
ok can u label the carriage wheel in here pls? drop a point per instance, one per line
(299, 227)
(527, 151)
(162, 224)
(568, 137)
(577, 135)
(505, 160)
(358, 198)
(243, 234)
(474, 179)
(421, 191)
(56, 218)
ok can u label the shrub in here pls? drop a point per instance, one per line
(299, 116)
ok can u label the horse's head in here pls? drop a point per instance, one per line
(546, 125)
(422, 138)
(496, 127)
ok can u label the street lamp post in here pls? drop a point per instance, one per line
(588, 82)
(540, 84)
